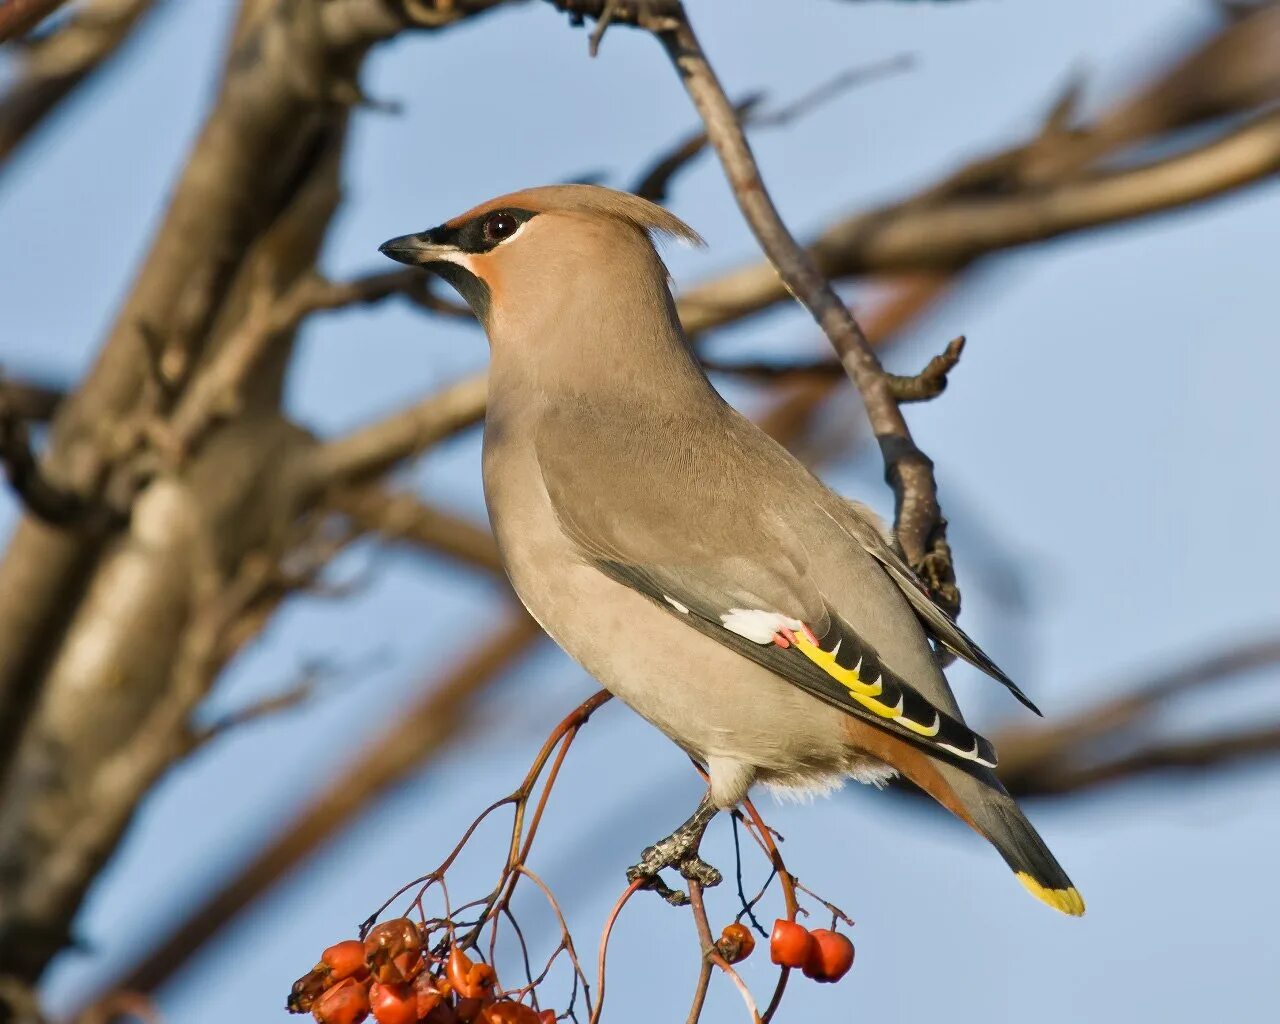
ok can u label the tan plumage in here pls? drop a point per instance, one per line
(695, 568)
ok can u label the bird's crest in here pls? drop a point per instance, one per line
(595, 201)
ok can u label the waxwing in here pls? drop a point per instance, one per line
(765, 624)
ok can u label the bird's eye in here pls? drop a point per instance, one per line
(498, 226)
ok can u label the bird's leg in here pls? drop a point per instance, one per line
(680, 851)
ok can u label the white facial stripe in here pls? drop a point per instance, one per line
(458, 257)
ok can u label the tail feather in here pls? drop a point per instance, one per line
(998, 818)
(974, 795)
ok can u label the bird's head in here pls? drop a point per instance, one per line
(511, 253)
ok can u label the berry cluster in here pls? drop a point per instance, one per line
(394, 976)
(822, 954)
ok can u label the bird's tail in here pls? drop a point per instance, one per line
(974, 795)
(993, 813)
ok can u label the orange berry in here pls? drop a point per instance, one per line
(393, 1004)
(344, 959)
(468, 978)
(790, 943)
(736, 942)
(394, 950)
(430, 992)
(346, 1003)
(507, 1012)
(830, 958)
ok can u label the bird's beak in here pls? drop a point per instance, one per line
(418, 250)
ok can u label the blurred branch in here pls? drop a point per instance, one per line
(1104, 743)
(404, 518)
(89, 699)
(654, 183)
(300, 691)
(39, 495)
(214, 393)
(29, 401)
(18, 17)
(53, 65)
(372, 450)
(418, 733)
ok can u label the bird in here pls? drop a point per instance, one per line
(766, 624)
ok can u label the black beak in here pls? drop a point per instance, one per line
(416, 250)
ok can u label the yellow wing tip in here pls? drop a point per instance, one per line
(1068, 901)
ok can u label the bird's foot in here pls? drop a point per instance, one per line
(680, 851)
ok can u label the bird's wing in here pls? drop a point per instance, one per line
(752, 593)
(860, 524)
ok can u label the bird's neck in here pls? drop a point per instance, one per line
(620, 340)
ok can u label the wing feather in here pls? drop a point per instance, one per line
(937, 623)
(827, 660)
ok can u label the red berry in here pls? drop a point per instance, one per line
(430, 992)
(469, 979)
(507, 1012)
(394, 950)
(346, 1003)
(344, 959)
(790, 944)
(736, 942)
(393, 1004)
(830, 958)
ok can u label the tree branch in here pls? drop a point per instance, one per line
(919, 526)
(1104, 742)
(52, 66)
(438, 719)
(17, 17)
(932, 380)
(371, 451)
(406, 518)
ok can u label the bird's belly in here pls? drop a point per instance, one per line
(714, 703)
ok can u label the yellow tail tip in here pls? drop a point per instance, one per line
(1066, 900)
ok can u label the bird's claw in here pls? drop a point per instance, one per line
(676, 851)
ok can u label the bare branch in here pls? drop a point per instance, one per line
(824, 368)
(51, 67)
(372, 450)
(655, 182)
(1106, 742)
(30, 401)
(17, 17)
(290, 697)
(215, 392)
(919, 526)
(438, 719)
(406, 518)
(932, 380)
(41, 496)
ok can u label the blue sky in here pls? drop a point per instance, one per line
(1115, 408)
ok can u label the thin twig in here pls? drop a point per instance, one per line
(711, 954)
(919, 526)
(605, 934)
(932, 380)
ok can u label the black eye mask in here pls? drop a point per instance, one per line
(481, 234)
